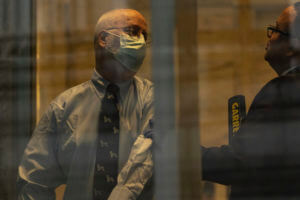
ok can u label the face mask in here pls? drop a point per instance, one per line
(132, 51)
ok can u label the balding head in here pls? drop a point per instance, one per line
(119, 18)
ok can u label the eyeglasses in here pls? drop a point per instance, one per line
(272, 29)
(135, 31)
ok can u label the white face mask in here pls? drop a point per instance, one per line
(132, 51)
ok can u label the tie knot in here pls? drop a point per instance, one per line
(113, 88)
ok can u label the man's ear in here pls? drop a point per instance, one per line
(101, 39)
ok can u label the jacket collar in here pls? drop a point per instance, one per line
(291, 70)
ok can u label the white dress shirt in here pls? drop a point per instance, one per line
(63, 146)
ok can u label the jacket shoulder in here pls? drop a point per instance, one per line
(143, 82)
(145, 88)
(282, 84)
(73, 94)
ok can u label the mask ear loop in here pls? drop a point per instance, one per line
(148, 43)
(112, 33)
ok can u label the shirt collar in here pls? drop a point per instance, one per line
(96, 77)
(291, 70)
(103, 83)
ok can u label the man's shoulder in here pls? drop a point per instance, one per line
(144, 89)
(73, 93)
(279, 89)
(283, 82)
(142, 82)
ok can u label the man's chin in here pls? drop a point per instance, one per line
(266, 57)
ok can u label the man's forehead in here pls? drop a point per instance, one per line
(286, 18)
(123, 18)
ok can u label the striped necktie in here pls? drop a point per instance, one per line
(106, 168)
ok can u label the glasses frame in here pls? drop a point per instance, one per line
(147, 36)
(271, 29)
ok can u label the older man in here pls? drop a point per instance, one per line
(85, 137)
(263, 161)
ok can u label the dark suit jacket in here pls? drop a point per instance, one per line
(264, 159)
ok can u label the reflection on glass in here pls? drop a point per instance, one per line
(212, 54)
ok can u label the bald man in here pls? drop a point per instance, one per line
(263, 161)
(85, 136)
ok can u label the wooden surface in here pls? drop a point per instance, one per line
(187, 82)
